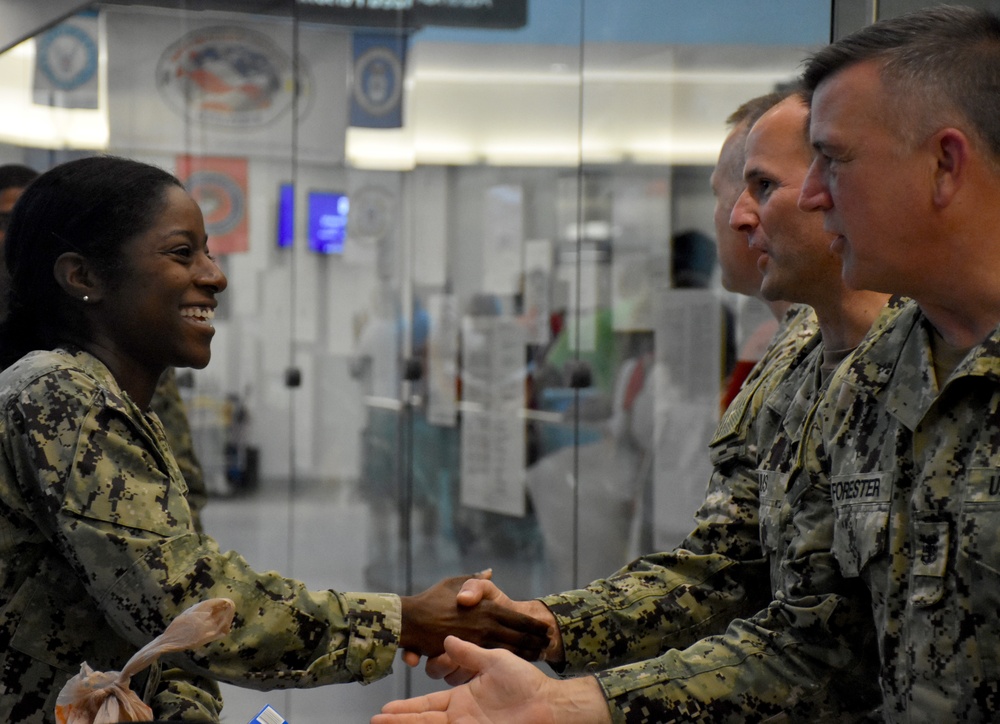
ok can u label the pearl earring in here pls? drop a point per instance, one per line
(86, 298)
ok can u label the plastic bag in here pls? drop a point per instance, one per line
(98, 697)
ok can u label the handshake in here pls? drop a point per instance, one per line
(486, 657)
(475, 610)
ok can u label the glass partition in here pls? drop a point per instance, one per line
(474, 318)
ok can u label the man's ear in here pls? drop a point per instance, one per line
(952, 149)
(75, 275)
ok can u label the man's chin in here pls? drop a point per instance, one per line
(851, 276)
(772, 292)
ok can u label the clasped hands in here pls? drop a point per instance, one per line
(481, 613)
(501, 687)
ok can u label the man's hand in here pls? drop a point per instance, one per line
(430, 616)
(474, 592)
(505, 690)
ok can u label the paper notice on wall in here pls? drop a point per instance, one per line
(536, 294)
(689, 343)
(442, 360)
(635, 277)
(581, 280)
(687, 376)
(503, 237)
(224, 84)
(493, 445)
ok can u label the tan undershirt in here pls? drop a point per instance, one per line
(831, 360)
(946, 356)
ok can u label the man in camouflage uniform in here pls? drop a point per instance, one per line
(730, 571)
(891, 516)
(895, 503)
(672, 598)
(906, 445)
(671, 604)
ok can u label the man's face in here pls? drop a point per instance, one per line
(871, 187)
(737, 261)
(795, 256)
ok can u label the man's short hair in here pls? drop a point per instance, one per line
(731, 164)
(940, 66)
(16, 176)
(751, 111)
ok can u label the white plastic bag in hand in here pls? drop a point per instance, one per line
(98, 697)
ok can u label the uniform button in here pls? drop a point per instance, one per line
(368, 667)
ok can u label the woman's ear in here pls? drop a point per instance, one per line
(74, 274)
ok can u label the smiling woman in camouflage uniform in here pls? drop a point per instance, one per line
(112, 283)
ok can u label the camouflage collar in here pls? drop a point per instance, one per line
(898, 349)
(41, 362)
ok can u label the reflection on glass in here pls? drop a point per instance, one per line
(509, 271)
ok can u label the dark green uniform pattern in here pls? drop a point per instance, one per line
(912, 472)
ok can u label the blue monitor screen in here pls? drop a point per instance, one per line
(286, 216)
(327, 221)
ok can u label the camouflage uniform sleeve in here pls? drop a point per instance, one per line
(673, 598)
(169, 407)
(114, 505)
(719, 572)
(814, 637)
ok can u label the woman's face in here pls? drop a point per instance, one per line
(159, 312)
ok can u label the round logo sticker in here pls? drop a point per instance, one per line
(67, 57)
(220, 198)
(371, 213)
(229, 76)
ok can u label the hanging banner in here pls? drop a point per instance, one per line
(66, 63)
(224, 84)
(219, 185)
(377, 85)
